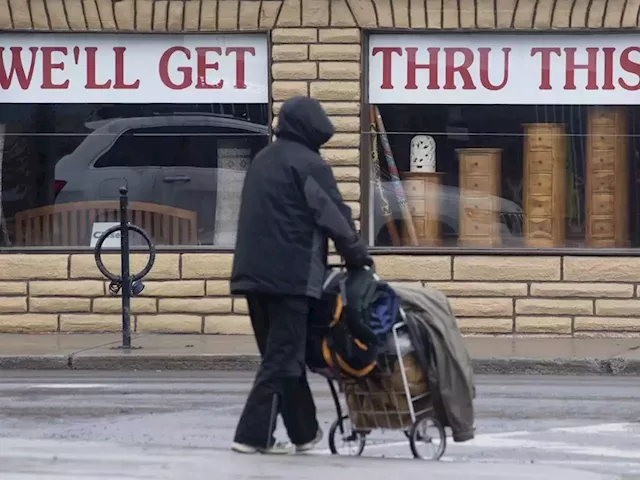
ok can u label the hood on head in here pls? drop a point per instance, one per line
(303, 119)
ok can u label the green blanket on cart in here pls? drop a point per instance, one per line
(443, 356)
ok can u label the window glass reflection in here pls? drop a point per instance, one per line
(184, 166)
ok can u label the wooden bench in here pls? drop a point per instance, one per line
(70, 224)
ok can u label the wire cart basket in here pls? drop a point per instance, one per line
(386, 399)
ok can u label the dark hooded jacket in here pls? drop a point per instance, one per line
(290, 207)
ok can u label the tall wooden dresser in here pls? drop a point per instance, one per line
(544, 187)
(479, 217)
(607, 190)
(423, 197)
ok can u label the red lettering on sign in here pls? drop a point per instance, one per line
(387, 58)
(457, 61)
(178, 68)
(545, 64)
(608, 68)
(92, 83)
(241, 60)
(203, 66)
(462, 69)
(120, 84)
(16, 68)
(163, 68)
(412, 66)
(630, 66)
(48, 66)
(484, 69)
(590, 67)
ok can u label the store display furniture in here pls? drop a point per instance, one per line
(71, 224)
(544, 185)
(423, 198)
(479, 220)
(606, 190)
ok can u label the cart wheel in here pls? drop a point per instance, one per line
(428, 439)
(348, 441)
(407, 433)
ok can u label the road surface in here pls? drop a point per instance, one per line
(139, 425)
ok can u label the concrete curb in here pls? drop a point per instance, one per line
(164, 362)
(34, 362)
(616, 366)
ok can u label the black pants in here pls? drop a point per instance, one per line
(280, 387)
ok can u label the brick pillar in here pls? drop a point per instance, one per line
(310, 57)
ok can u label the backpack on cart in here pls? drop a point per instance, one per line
(360, 311)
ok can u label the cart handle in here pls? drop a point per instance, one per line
(337, 265)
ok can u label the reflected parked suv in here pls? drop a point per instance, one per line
(174, 160)
(509, 214)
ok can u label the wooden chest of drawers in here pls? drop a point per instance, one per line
(423, 198)
(479, 217)
(544, 187)
(606, 190)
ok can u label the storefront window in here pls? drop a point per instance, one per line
(182, 149)
(504, 141)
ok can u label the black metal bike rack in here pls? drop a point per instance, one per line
(131, 285)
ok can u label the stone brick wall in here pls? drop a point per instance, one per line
(189, 293)
(316, 50)
(311, 58)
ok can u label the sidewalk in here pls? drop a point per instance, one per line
(504, 355)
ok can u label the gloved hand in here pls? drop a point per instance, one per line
(367, 262)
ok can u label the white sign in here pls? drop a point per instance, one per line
(593, 69)
(112, 241)
(67, 68)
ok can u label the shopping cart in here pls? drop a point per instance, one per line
(386, 399)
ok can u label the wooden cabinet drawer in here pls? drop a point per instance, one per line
(540, 228)
(477, 228)
(416, 208)
(479, 166)
(419, 225)
(413, 188)
(539, 184)
(603, 182)
(602, 227)
(603, 118)
(477, 183)
(603, 204)
(605, 139)
(479, 202)
(539, 206)
(541, 162)
(481, 215)
(541, 140)
(602, 160)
